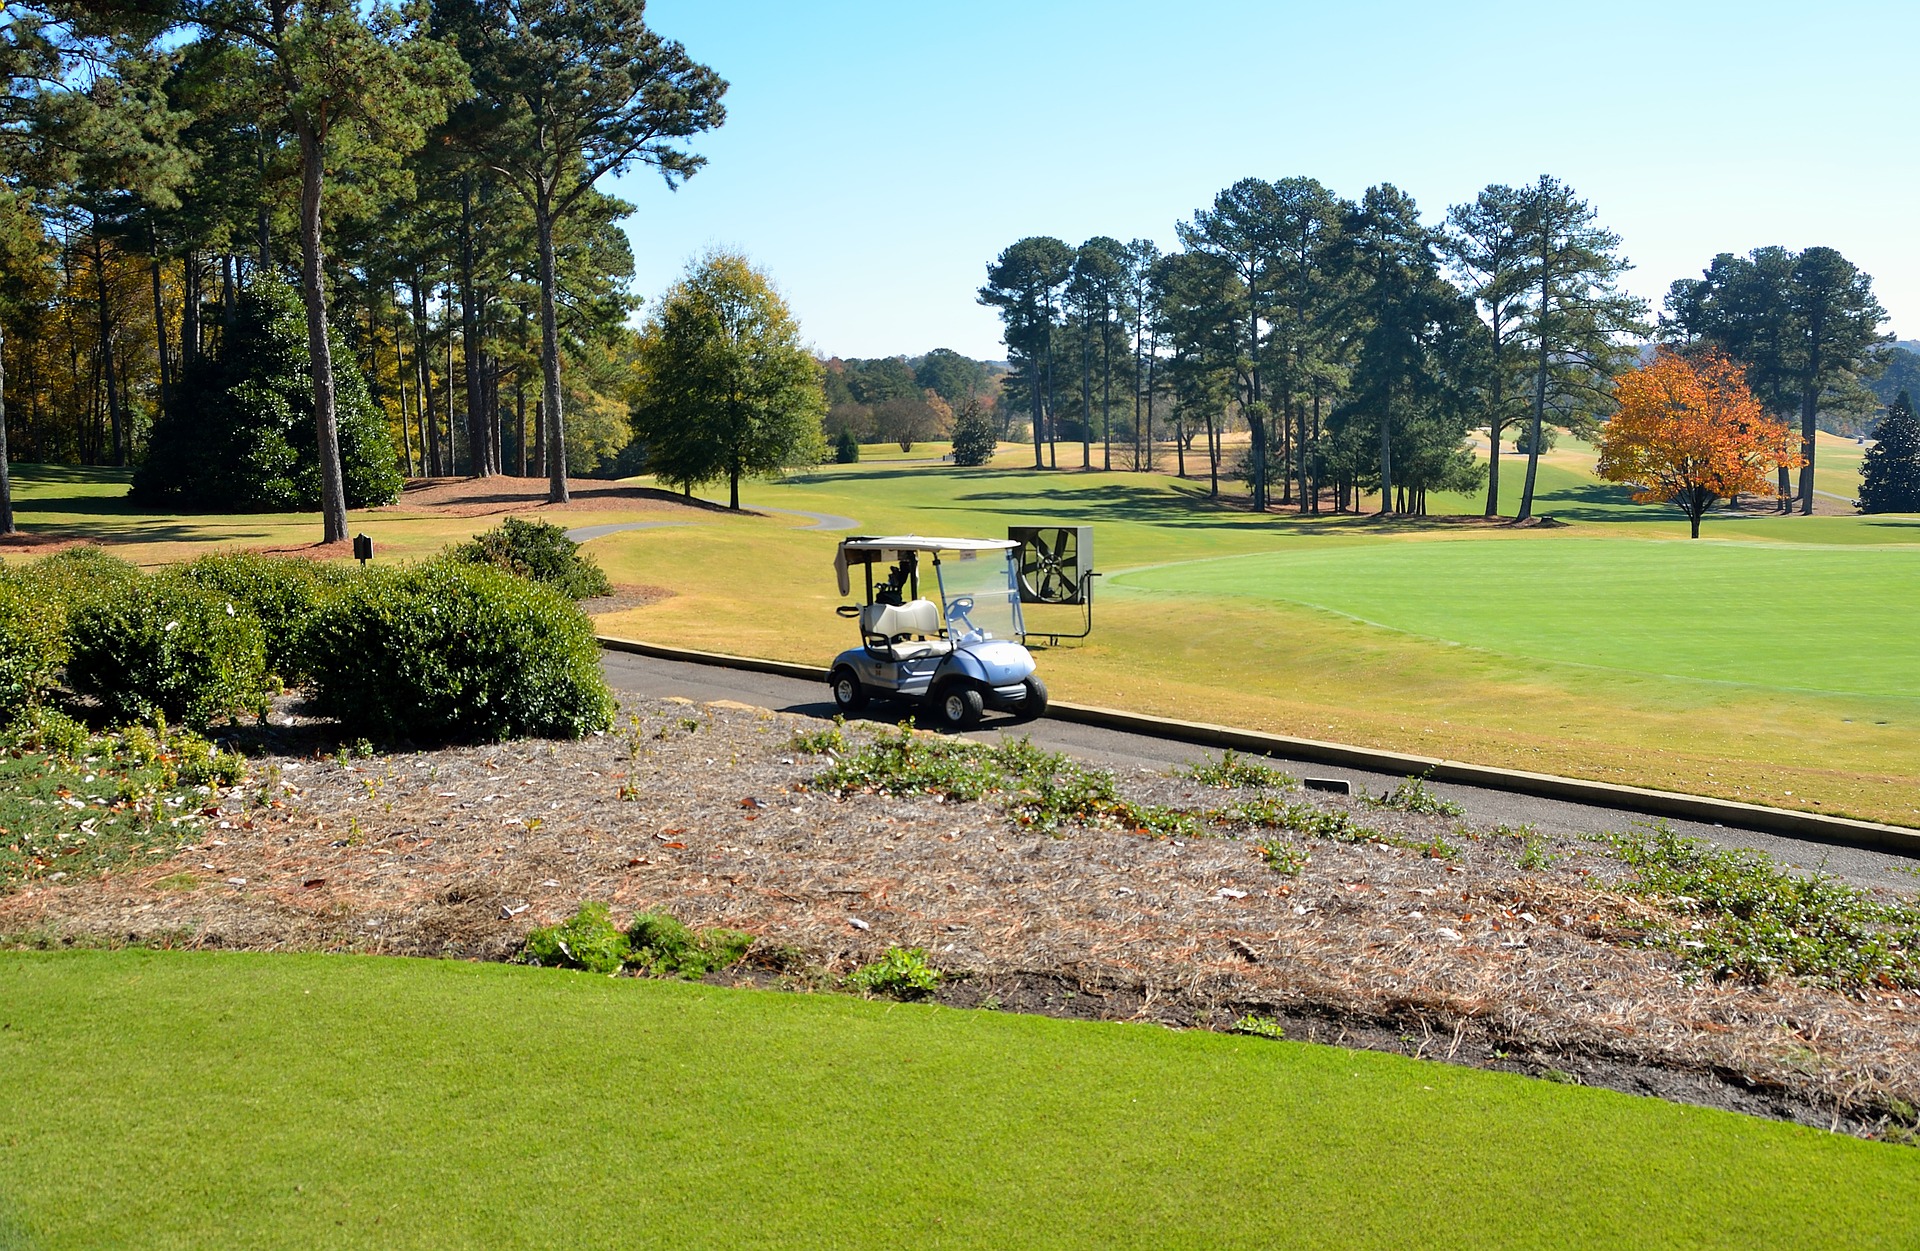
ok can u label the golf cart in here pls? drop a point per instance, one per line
(959, 649)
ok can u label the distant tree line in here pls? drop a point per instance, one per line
(425, 177)
(1359, 347)
(893, 399)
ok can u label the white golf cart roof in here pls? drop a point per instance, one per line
(862, 550)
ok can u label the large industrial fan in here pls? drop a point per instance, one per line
(1056, 567)
(1055, 562)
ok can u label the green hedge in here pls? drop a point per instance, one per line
(79, 573)
(33, 647)
(540, 551)
(162, 644)
(451, 652)
(283, 592)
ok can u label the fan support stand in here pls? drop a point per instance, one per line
(1053, 637)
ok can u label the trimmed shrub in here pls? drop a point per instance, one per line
(33, 646)
(540, 551)
(163, 645)
(451, 652)
(281, 591)
(846, 449)
(79, 573)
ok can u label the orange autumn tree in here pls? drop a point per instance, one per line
(1689, 432)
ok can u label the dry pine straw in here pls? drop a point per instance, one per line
(706, 812)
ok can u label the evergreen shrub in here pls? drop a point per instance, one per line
(33, 647)
(162, 645)
(281, 591)
(539, 551)
(1890, 471)
(452, 652)
(846, 449)
(973, 436)
(239, 433)
(79, 573)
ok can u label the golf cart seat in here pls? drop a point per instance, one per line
(893, 626)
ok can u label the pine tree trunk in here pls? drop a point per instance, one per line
(106, 350)
(333, 494)
(423, 380)
(160, 338)
(520, 416)
(1086, 397)
(1540, 380)
(480, 454)
(190, 311)
(1106, 395)
(550, 350)
(1494, 425)
(1386, 453)
(6, 478)
(1038, 407)
(1809, 429)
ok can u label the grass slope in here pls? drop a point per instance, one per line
(169, 1099)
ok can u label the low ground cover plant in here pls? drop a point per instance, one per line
(453, 652)
(1414, 795)
(1233, 770)
(654, 943)
(540, 552)
(1737, 914)
(903, 972)
(1042, 790)
(81, 803)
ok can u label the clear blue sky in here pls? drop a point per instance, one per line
(876, 156)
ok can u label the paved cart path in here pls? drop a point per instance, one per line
(653, 678)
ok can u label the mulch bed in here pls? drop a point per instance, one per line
(483, 497)
(708, 812)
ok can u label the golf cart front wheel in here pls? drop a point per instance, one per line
(848, 694)
(958, 706)
(1034, 702)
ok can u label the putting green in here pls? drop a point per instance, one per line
(1824, 620)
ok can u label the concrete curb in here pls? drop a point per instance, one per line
(1702, 808)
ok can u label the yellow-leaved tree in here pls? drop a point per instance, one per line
(1689, 432)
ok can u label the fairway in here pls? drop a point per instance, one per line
(169, 1099)
(1802, 618)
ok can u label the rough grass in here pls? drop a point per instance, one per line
(1606, 701)
(170, 1099)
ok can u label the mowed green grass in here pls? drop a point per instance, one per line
(1816, 619)
(199, 1100)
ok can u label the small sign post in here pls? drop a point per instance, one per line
(362, 548)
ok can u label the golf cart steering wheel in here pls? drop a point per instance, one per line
(957, 611)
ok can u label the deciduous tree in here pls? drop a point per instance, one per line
(1689, 431)
(726, 388)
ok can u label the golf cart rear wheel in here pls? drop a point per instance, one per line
(958, 706)
(1034, 702)
(848, 694)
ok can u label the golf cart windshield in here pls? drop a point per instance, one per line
(980, 595)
